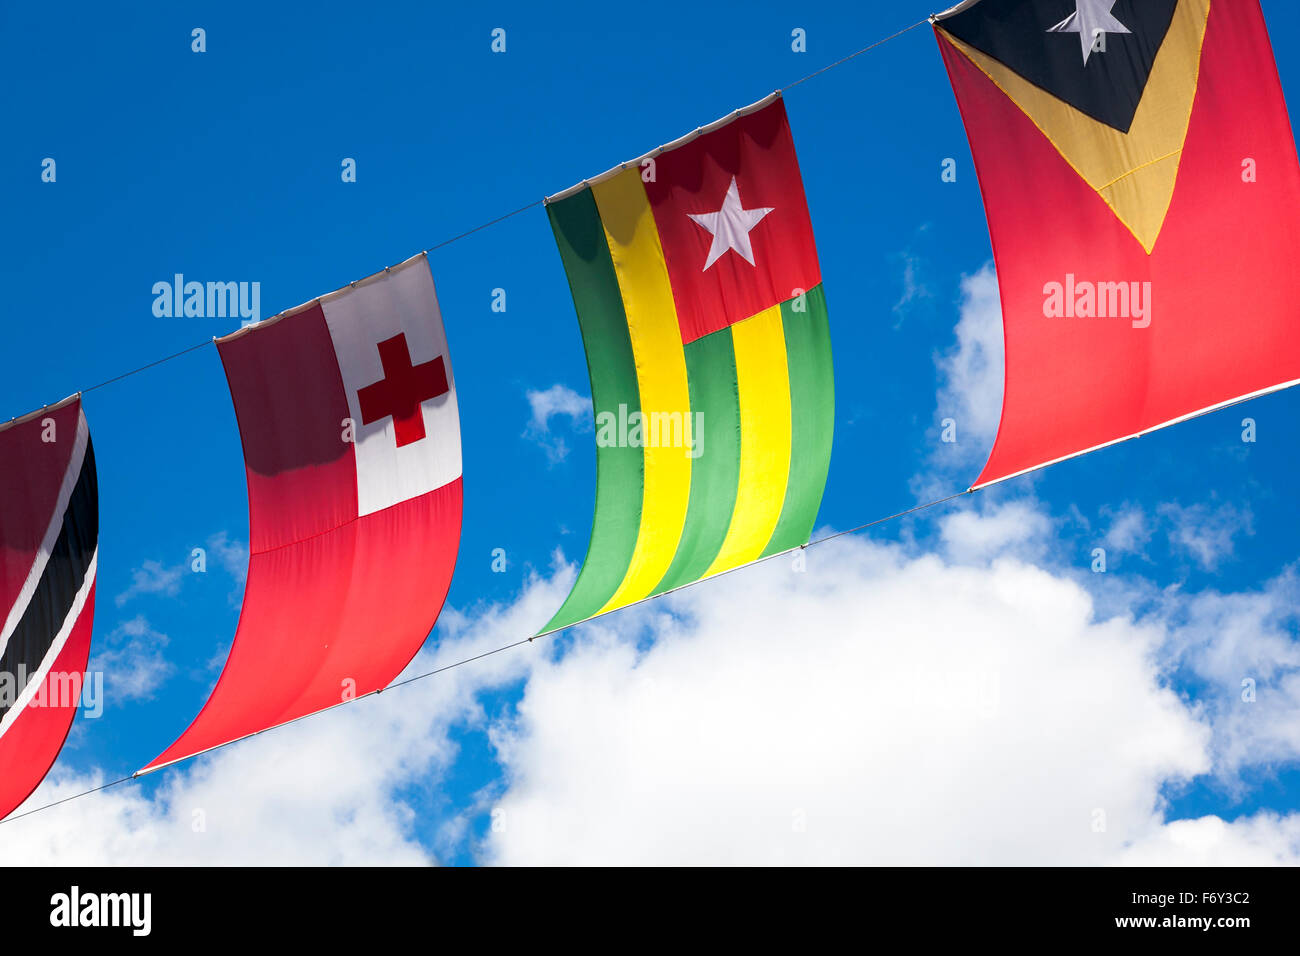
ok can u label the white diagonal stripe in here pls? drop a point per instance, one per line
(42, 558)
(37, 678)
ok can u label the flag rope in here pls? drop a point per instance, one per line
(522, 641)
(469, 232)
(496, 650)
(865, 49)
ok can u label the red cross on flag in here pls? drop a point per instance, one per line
(402, 390)
(347, 412)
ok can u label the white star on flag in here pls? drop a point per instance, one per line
(1090, 18)
(730, 226)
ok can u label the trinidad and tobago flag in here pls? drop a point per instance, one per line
(49, 547)
(1141, 186)
(347, 412)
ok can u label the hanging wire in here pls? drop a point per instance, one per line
(499, 219)
(492, 222)
(196, 347)
(527, 640)
(142, 368)
(489, 653)
(68, 799)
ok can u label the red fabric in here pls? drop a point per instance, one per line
(1224, 284)
(335, 605)
(33, 741)
(759, 152)
(29, 490)
(332, 617)
(288, 394)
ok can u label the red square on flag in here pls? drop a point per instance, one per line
(731, 214)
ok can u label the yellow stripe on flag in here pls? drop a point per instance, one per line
(763, 380)
(661, 377)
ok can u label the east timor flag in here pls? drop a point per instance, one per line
(698, 292)
(1140, 180)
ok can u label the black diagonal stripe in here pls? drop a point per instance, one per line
(52, 601)
(1108, 88)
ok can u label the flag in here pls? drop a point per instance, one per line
(698, 292)
(347, 413)
(49, 549)
(1138, 171)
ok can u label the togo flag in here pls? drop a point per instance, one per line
(695, 277)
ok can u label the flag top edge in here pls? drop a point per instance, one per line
(23, 419)
(320, 300)
(953, 11)
(667, 147)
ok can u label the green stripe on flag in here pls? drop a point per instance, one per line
(812, 414)
(715, 474)
(619, 470)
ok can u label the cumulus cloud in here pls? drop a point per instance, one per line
(1266, 839)
(133, 660)
(1242, 649)
(972, 370)
(878, 708)
(886, 705)
(317, 800)
(332, 789)
(558, 400)
(994, 528)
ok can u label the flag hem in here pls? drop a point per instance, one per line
(1259, 393)
(23, 419)
(667, 147)
(319, 300)
(953, 11)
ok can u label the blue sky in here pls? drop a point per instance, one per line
(226, 166)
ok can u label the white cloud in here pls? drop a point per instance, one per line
(1243, 649)
(1266, 839)
(992, 528)
(1129, 530)
(885, 706)
(972, 371)
(152, 577)
(155, 578)
(231, 555)
(133, 660)
(1207, 534)
(876, 709)
(547, 404)
(321, 791)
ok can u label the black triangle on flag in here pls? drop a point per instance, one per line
(1074, 49)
